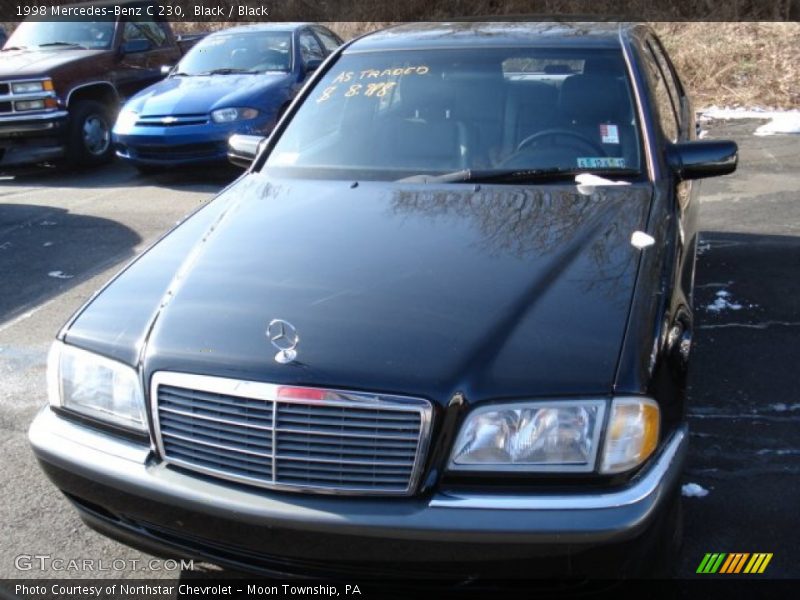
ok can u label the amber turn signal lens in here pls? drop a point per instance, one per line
(632, 434)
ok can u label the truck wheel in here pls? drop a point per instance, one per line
(90, 134)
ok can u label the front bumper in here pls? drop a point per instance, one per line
(26, 139)
(181, 145)
(122, 489)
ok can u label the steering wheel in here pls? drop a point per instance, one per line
(578, 139)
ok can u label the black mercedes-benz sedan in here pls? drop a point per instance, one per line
(440, 327)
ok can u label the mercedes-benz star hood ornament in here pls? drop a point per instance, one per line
(283, 336)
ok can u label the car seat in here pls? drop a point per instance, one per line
(423, 133)
(597, 107)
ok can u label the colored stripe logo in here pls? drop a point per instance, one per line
(735, 562)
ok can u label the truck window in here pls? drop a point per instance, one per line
(145, 30)
(95, 35)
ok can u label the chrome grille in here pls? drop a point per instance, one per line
(171, 120)
(286, 437)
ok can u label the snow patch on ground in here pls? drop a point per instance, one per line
(779, 452)
(693, 490)
(782, 407)
(723, 302)
(59, 275)
(780, 121)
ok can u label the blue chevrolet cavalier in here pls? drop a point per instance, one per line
(237, 80)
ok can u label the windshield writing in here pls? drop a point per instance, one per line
(391, 115)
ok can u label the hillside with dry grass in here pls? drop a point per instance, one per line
(726, 64)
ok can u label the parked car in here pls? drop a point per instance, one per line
(238, 80)
(62, 82)
(440, 327)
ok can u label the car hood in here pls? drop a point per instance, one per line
(501, 291)
(201, 94)
(36, 63)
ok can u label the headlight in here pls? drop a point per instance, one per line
(229, 115)
(126, 120)
(560, 436)
(632, 434)
(29, 105)
(95, 386)
(31, 87)
(530, 436)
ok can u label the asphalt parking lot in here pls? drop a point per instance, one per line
(62, 235)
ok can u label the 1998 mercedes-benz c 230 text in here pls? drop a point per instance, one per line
(441, 325)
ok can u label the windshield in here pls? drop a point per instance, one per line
(255, 52)
(95, 35)
(392, 115)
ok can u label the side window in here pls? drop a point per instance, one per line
(145, 30)
(673, 86)
(309, 47)
(328, 40)
(666, 110)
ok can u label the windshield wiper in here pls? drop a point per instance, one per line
(70, 44)
(227, 71)
(515, 175)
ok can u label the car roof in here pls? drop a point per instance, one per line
(259, 27)
(481, 34)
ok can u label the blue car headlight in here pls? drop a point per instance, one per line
(126, 120)
(230, 115)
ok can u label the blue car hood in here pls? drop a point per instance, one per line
(201, 94)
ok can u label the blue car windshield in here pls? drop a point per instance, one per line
(255, 52)
(94, 35)
(395, 114)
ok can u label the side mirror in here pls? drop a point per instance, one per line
(134, 46)
(243, 149)
(165, 69)
(312, 64)
(706, 158)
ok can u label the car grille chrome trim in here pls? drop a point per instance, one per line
(171, 120)
(349, 443)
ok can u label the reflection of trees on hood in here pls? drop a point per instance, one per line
(522, 222)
